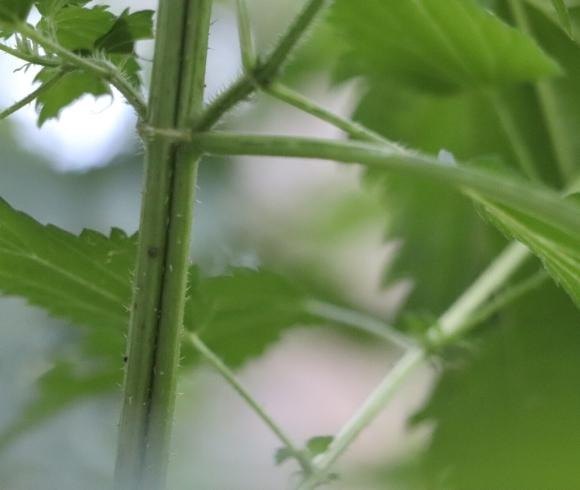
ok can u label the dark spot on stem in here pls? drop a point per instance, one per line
(153, 252)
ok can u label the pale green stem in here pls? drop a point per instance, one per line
(265, 71)
(176, 98)
(358, 321)
(353, 129)
(523, 156)
(529, 198)
(247, 48)
(508, 296)
(32, 96)
(556, 126)
(105, 71)
(29, 58)
(230, 377)
(449, 326)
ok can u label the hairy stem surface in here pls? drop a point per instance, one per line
(159, 292)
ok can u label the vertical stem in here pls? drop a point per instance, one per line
(160, 281)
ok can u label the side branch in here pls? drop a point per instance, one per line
(537, 200)
(265, 71)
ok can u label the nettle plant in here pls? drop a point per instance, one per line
(492, 83)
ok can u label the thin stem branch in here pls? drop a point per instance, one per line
(449, 326)
(523, 156)
(102, 70)
(556, 126)
(247, 48)
(230, 377)
(264, 71)
(506, 297)
(359, 321)
(353, 129)
(29, 58)
(536, 199)
(32, 96)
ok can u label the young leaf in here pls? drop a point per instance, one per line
(127, 29)
(444, 45)
(51, 7)
(72, 86)
(77, 28)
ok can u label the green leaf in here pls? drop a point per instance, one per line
(558, 249)
(319, 444)
(71, 87)
(241, 313)
(77, 28)
(51, 7)
(86, 280)
(563, 15)
(82, 279)
(443, 45)
(13, 11)
(127, 29)
(506, 415)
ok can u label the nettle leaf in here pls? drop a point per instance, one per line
(71, 87)
(443, 45)
(12, 11)
(559, 249)
(81, 279)
(51, 7)
(127, 29)
(506, 415)
(77, 28)
(239, 314)
(86, 280)
(563, 14)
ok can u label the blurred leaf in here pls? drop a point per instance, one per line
(319, 444)
(442, 263)
(241, 313)
(51, 7)
(507, 417)
(438, 44)
(72, 86)
(127, 29)
(563, 15)
(12, 11)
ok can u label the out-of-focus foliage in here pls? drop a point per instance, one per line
(506, 416)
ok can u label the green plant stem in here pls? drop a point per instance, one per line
(359, 321)
(264, 72)
(29, 58)
(508, 296)
(32, 96)
(230, 377)
(247, 48)
(523, 156)
(537, 200)
(103, 70)
(163, 252)
(353, 129)
(557, 130)
(449, 326)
